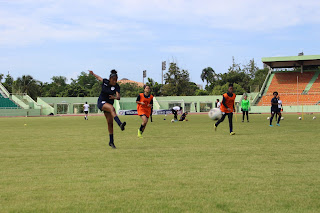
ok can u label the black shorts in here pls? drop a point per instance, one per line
(275, 110)
(86, 112)
(101, 103)
(144, 115)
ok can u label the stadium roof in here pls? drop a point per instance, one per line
(292, 61)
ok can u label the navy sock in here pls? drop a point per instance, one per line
(117, 120)
(271, 120)
(111, 138)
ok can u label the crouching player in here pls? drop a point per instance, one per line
(227, 108)
(175, 111)
(145, 102)
(184, 117)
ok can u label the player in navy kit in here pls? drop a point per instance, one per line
(110, 91)
(275, 109)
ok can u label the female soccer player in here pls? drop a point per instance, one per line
(245, 105)
(227, 108)
(110, 91)
(144, 105)
(275, 109)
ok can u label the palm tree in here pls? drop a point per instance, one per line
(207, 75)
(27, 84)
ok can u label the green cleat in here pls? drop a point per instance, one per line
(232, 133)
(215, 127)
(139, 134)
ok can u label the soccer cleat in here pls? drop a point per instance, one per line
(139, 134)
(232, 133)
(270, 125)
(278, 124)
(215, 127)
(85, 118)
(122, 126)
(112, 145)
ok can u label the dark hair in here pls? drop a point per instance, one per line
(230, 85)
(113, 73)
(180, 108)
(218, 100)
(144, 86)
(275, 92)
(86, 102)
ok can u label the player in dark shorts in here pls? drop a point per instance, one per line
(275, 109)
(175, 110)
(183, 117)
(110, 91)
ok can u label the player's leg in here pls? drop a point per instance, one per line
(230, 116)
(109, 119)
(247, 113)
(271, 118)
(109, 108)
(243, 114)
(279, 118)
(143, 125)
(220, 120)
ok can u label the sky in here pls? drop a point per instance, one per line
(46, 38)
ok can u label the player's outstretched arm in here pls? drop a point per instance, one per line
(95, 75)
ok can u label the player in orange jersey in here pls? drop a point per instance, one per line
(145, 102)
(227, 108)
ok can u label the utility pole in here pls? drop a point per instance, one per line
(164, 64)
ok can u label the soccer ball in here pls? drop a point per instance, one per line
(172, 120)
(282, 118)
(215, 114)
(268, 118)
(314, 117)
(299, 118)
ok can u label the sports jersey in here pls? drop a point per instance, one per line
(86, 107)
(228, 102)
(274, 104)
(279, 104)
(144, 109)
(218, 105)
(107, 90)
(245, 105)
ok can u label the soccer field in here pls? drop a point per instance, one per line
(64, 164)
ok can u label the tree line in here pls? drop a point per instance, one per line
(177, 83)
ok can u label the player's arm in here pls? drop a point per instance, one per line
(151, 104)
(138, 100)
(95, 75)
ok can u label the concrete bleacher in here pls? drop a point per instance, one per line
(291, 88)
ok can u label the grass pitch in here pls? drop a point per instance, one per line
(64, 164)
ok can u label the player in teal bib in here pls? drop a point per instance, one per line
(245, 106)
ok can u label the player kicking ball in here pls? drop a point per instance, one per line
(227, 108)
(144, 106)
(275, 109)
(110, 91)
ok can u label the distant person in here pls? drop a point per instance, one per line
(110, 91)
(86, 110)
(245, 106)
(275, 108)
(183, 117)
(218, 104)
(175, 111)
(279, 106)
(227, 108)
(144, 105)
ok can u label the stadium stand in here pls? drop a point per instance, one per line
(292, 92)
(7, 103)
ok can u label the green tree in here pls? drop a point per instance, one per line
(200, 92)
(1, 77)
(27, 84)
(208, 75)
(155, 87)
(177, 82)
(8, 83)
(220, 90)
(251, 68)
(130, 90)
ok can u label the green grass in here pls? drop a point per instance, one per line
(64, 164)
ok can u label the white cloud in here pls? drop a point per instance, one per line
(24, 22)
